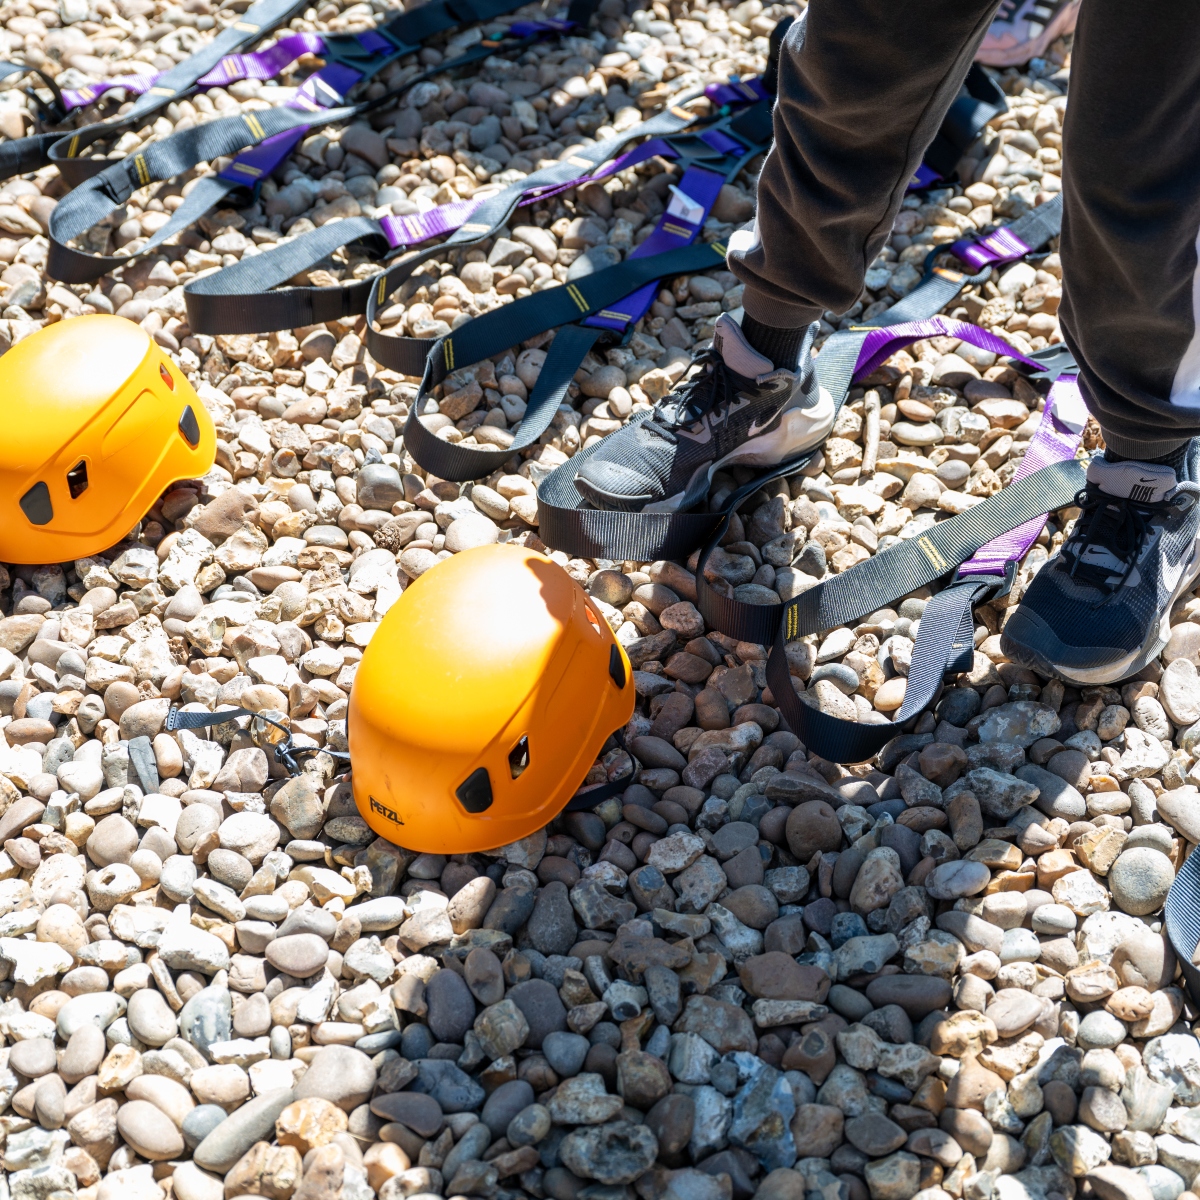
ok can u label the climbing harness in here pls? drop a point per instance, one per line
(265, 139)
(65, 150)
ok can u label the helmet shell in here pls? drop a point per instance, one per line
(98, 422)
(482, 701)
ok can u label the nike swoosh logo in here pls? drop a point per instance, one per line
(755, 429)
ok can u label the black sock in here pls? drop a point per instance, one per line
(781, 346)
(1175, 460)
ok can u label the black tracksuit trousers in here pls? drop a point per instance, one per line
(862, 93)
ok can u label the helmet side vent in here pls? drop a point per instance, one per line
(77, 479)
(518, 757)
(616, 667)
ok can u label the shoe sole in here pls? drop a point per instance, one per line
(1016, 56)
(1113, 672)
(799, 430)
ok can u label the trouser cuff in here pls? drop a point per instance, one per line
(1142, 450)
(770, 310)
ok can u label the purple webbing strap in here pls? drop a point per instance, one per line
(263, 64)
(672, 232)
(524, 29)
(883, 341)
(1000, 246)
(324, 89)
(1056, 440)
(446, 218)
(91, 92)
(743, 91)
(923, 177)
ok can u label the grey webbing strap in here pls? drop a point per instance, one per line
(95, 199)
(901, 569)
(449, 461)
(243, 298)
(496, 211)
(67, 151)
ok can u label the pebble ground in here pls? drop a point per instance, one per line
(939, 975)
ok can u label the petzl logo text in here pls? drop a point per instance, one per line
(389, 814)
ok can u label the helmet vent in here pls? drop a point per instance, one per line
(77, 479)
(168, 379)
(591, 616)
(190, 427)
(616, 667)
(518, 757)
(475, 792)
(35, 504)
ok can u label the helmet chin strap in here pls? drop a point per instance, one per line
(589, 799)
(285, 750)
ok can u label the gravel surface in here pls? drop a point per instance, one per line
(939, 974)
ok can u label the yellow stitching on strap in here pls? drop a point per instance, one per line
(577, 296)
(475, 227)
(252, 123)
(614, 316)
(677, 230)
(932, 553)
(139, 163)
(73, 149)
(793, 624)
(719, 247)
(246, 169)
(381, 295)
(448, 354)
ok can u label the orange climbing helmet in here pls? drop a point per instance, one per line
(482, 701)
(98, 422)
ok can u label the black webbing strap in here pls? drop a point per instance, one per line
(56, 110)
(495, 213)
(877, 581)
(284, 749)
(67, 151)
(246, 296)
(460, 463)
(589, 799)
(96, 198)
(407, 31)
(497, 330)
(965, 120)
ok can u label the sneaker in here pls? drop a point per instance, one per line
(733, 407)
(1099, 611)
(1024, 29)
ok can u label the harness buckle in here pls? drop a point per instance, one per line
(1003, 584)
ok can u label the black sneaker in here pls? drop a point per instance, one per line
(1024, 29)
(1099, 611)
(733, 406)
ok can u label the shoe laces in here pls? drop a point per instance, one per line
(709, 386)
(1120, 526)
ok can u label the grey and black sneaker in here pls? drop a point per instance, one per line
(733, 407)
(1099, 611)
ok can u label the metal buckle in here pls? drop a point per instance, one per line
(1002, 584)
(929, 270)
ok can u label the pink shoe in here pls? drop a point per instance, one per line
(1024, 29)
